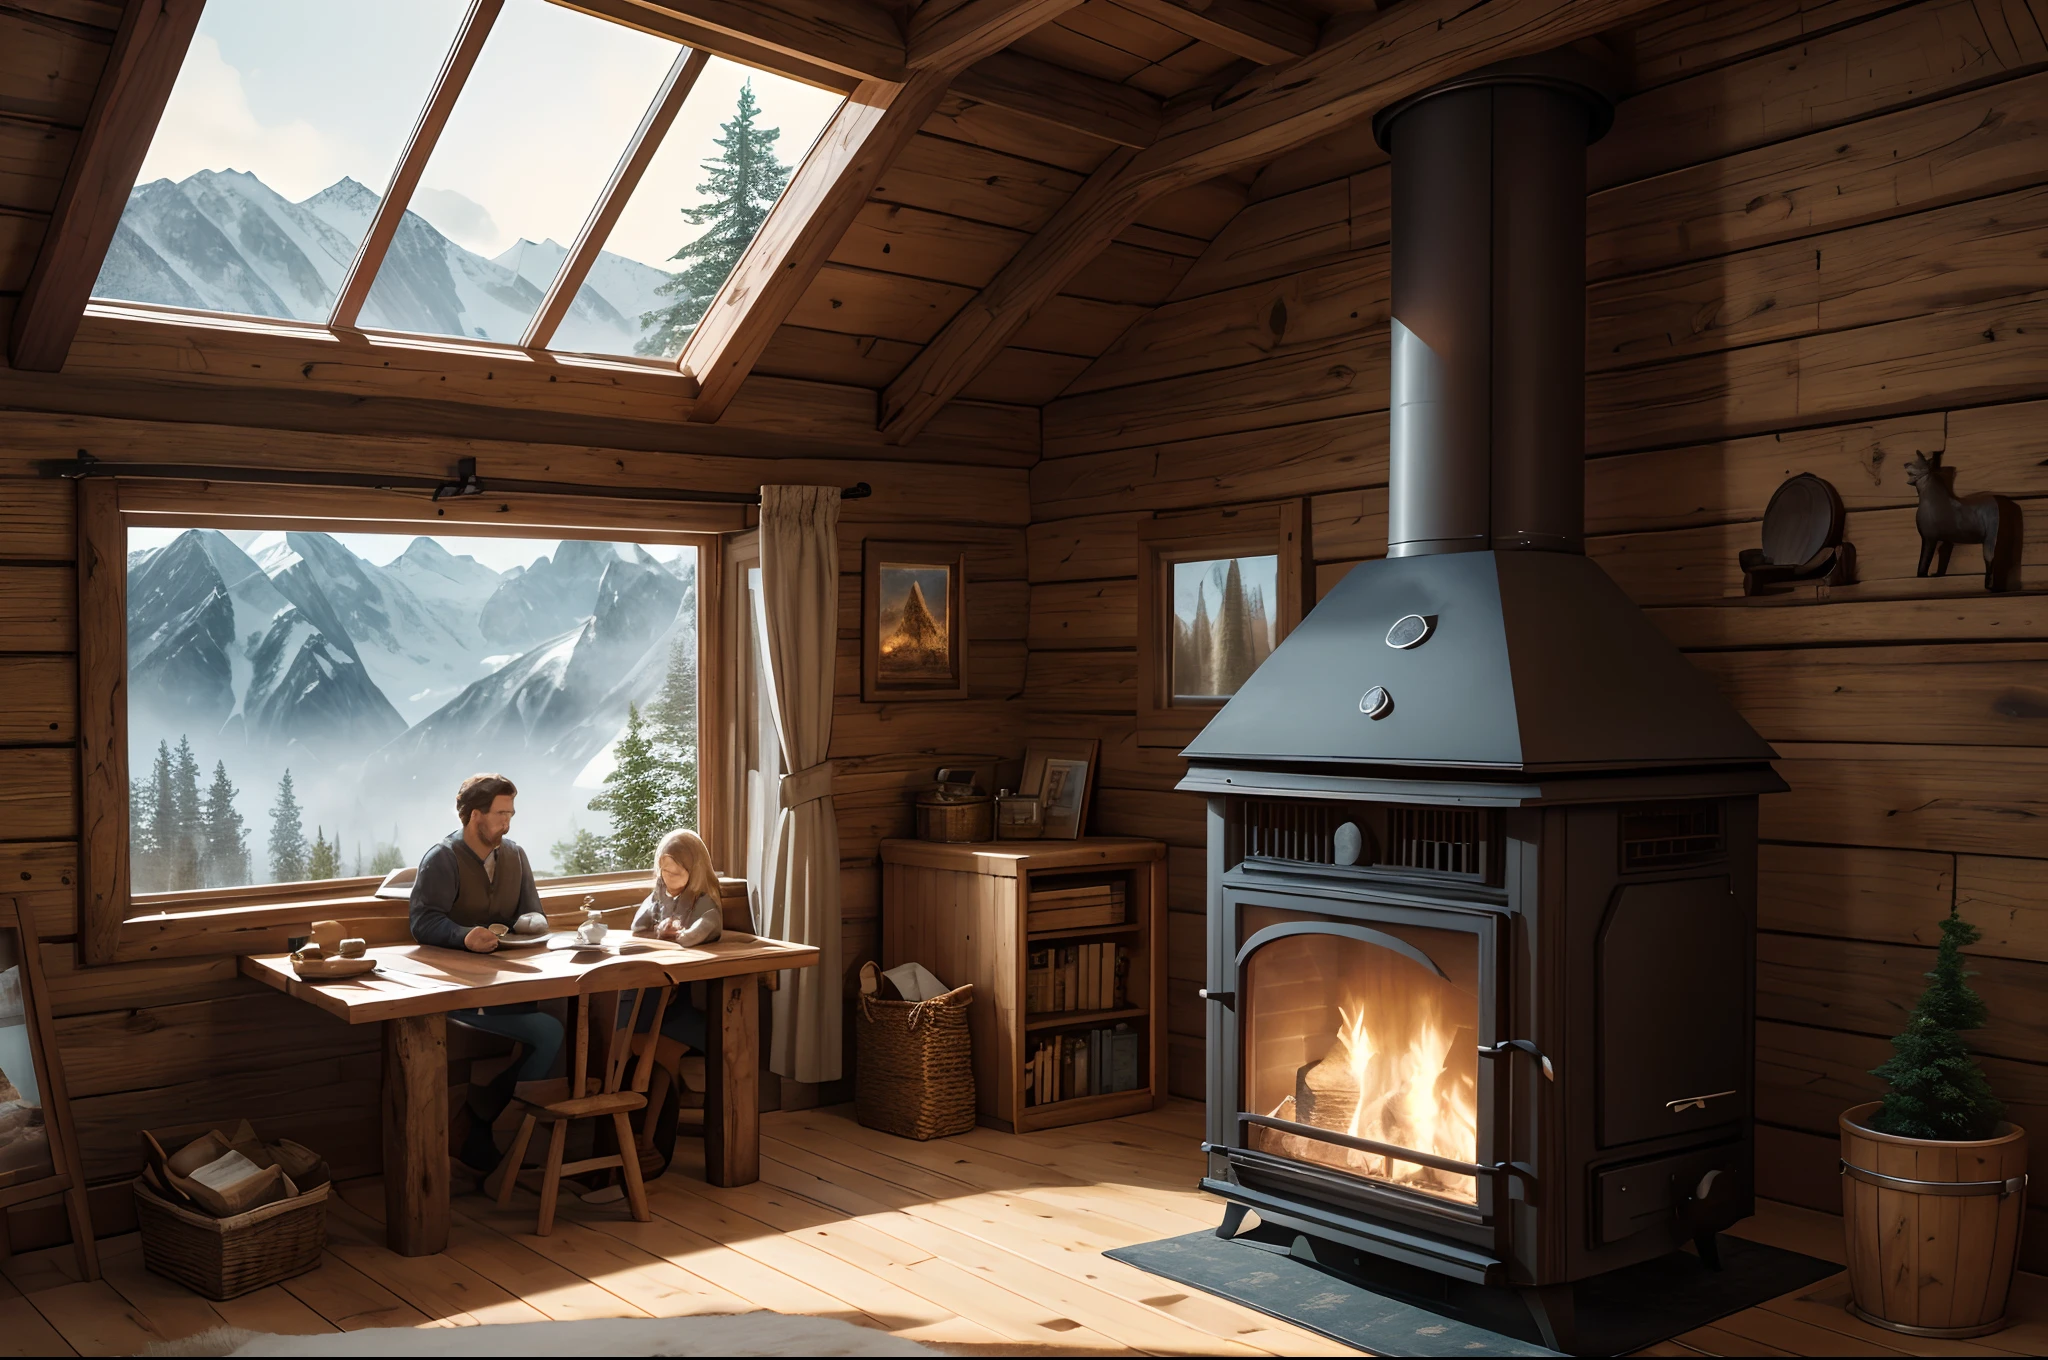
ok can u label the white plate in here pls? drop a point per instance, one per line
(524, 941)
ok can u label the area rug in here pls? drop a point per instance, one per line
(1392, 1309)
(722, 1334)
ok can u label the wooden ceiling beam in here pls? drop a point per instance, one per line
(1400, 52)
(824, 195)
(854, 37)
(952, 33)
(1069, 99)
(662, 23)
(419, 149)
(604, 215)
(142, 66)
(1256, 29)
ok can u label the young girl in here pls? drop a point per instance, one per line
(682, 904)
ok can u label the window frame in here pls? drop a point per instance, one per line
(1270, 529)
(115, 925)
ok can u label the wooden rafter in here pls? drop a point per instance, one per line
(461, 60)
(854, 37)
(1402, 51)
(1068, 98)
(646, 140)
(1256, 29)
(835, 178)
(951, 33)
(149, 48)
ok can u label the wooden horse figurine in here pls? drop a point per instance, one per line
(1946, 519)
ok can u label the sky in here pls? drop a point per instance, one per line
(302, 92)
(499, 554)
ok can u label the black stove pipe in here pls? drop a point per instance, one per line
(1489, 295)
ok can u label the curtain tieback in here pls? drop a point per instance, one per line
(807, 786)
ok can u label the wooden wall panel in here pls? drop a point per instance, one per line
(1817, 241)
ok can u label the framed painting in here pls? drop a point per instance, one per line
(913, 613)
(1061, 774)
(38, 1140)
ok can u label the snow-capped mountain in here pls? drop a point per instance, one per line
(216, 651)
(225, 241)
(554, 594)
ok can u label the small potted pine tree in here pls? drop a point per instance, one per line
(1933, 1176)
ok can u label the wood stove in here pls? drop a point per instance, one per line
(1482, 844)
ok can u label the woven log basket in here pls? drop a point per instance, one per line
(916, 1073)
(224, 1258)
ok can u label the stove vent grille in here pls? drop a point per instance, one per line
(1440, 840)
(1305, 833)
(1671, 835)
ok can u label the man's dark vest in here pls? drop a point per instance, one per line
(480, 901)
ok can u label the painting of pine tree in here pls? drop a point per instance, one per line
(1222, 624)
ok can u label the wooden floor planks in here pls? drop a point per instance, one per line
(987, 1243)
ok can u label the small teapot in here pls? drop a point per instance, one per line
(593, 929)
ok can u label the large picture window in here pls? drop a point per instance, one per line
(302, 705)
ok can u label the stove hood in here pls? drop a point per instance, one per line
(1485, 639)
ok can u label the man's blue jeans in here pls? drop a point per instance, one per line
(526, 1023)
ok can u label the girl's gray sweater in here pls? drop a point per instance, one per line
(700, 917)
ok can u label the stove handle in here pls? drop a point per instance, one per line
(1228, 1000)
(1527, 1046)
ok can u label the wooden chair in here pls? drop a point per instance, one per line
(608, 1094)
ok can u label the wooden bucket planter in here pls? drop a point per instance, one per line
(1933, 1227)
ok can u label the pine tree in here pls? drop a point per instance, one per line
(1202, 645)
(1233, 661)
(585, 852)
(287, 835)
(673, 717)
(224, 861)
(633, 796)
(163, 816)
(144, 860)
(1936, 1088)
(187, 849)
(325, 861)
(742, 182)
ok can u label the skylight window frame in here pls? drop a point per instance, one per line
(647, 138)
(419, 148)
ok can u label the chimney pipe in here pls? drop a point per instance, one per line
(1489, 294)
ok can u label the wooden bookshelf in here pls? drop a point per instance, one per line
(963, 912)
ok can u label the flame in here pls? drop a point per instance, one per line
(1422, 1094)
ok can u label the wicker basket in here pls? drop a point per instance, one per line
(225, 1258)
(916, 1073)
(956, 821)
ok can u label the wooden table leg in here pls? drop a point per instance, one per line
(416, 1134)
(732, 1082)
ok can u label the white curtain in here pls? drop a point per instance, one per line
(800, 634)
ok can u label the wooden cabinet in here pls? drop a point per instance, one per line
(963, 911)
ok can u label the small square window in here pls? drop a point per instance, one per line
(1222, 623)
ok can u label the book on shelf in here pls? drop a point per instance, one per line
(1075, 907)
(1092, 1062)
(1076, 977)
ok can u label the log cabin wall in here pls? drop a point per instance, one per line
(1818, 241)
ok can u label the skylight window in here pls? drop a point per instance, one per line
(704, 195)
(541, 121)
(289, 123)
(283, 128)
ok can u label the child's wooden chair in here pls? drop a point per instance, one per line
(607, 1095)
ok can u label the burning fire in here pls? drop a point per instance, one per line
(1421, 1094)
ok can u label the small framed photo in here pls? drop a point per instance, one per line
(1062, 775)
(913, 613)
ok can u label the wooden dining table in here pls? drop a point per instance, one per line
(415, 988)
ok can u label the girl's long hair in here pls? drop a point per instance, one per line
(686, 849)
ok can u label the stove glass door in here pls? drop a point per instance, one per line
(1372, 1034)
